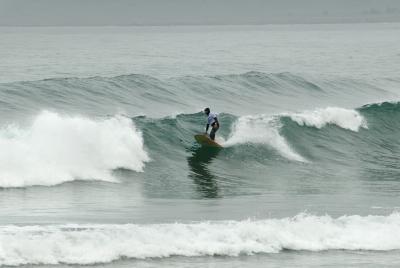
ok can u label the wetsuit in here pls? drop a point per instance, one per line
(212, 121)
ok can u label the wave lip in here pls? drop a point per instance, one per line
(319, 118)
(56, 149)
(89, 244)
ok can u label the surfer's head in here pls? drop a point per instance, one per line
(207, 111)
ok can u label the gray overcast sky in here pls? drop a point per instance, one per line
(173, 12)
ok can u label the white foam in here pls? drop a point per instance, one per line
(87, 244)
(55, 149)
(344, 118)
(261, 129)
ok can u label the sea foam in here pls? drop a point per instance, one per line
(341, 117)
(56, 149)
(261, 129)
(88, 244)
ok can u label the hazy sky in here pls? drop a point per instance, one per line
(167, 12)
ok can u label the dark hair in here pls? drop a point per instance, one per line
(207, 110)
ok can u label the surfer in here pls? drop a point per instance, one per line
(212, 121)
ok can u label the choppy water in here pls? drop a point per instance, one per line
(98, 164)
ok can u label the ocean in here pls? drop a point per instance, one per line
(99, 167)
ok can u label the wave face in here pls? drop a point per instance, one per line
(90, 244)
(56, 149)
(265, 129)
(361, 135)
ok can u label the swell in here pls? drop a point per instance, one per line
(252, 92)
(91, 243)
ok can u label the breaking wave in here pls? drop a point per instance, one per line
(89, 244)
(341, 117)
(57, 148)
(262, 130)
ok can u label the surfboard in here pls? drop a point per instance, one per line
(204, 140)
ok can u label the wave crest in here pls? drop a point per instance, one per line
(56, 149)
(319, 118)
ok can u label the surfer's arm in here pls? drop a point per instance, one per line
(208, 125)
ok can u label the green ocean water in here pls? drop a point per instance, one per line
(98, 165)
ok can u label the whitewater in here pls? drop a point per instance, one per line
(99, 168)
(56, 149)
(89, 244)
